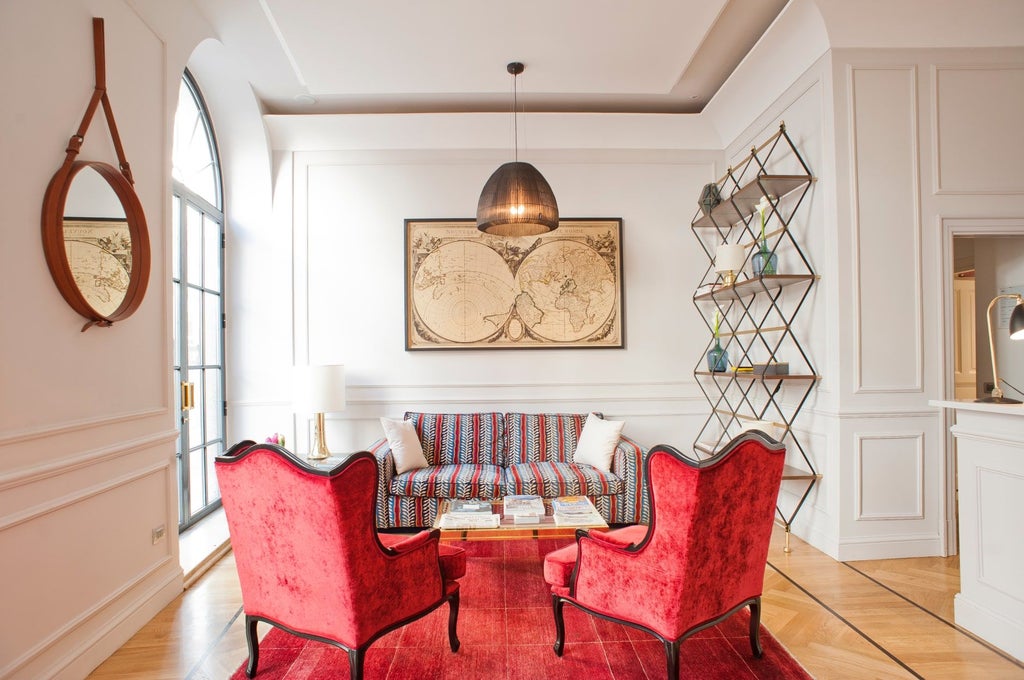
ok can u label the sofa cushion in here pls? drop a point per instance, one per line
(405, 445)
(450, 481)
(551, 480)
(542, 437)
(454, 438)
(597, 442)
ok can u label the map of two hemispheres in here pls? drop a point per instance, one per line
(468, 289)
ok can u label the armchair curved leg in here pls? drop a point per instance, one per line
(453, 620)
(556, 604)
(755, 628)
(672, 658)
(355, 663)
(253, 643)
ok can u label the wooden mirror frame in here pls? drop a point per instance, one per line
(56, 252)
(121, 181)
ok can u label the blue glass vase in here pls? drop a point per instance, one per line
(764, 262)
(718, 358)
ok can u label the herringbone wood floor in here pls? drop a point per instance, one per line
(869, 619)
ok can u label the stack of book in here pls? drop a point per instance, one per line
(576, 511)
(469, 514)
(524, 509)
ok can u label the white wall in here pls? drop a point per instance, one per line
(87, 429)
(347, 301)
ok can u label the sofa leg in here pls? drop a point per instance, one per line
(556, 604)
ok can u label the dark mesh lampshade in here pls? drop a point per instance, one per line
(517, 201)
(1017, 322)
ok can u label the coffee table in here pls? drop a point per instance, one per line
(508, 530)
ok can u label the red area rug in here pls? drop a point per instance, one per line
(507, 630)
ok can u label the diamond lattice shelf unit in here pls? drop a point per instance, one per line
(755, 372)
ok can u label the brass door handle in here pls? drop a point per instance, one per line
(188, 396)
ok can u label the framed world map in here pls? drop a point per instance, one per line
(465, 289)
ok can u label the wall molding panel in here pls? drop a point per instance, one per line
(889, 482)
(36, 473)
(960, 125)
(886, 226)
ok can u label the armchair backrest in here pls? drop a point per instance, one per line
(711, 525)
(305, 542)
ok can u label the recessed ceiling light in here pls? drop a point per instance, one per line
(305, 99)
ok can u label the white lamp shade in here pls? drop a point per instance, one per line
(730, 258)
(319, 389)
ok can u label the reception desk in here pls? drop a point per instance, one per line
(990, 481)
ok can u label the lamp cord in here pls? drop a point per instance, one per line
(515, 117)
(1015, 389)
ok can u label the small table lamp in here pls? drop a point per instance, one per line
(319, 390)
(729, 259)
(1016, 333)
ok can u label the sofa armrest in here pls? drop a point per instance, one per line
(628, 465)
(381, 450)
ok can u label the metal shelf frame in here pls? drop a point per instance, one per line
(757, 311)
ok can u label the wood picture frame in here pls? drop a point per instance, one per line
(465, 289)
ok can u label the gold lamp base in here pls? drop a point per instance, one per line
(319, 449)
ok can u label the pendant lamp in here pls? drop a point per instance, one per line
(516, 200)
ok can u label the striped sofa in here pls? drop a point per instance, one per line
(491, 455)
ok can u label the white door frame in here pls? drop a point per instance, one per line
(952, 227)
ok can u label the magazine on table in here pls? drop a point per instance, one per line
(573, 505)
(463, 506)
(579, 519)
(524, 505)
(470, 521)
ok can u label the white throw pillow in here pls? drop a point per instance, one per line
(597, 442)
(405, 445)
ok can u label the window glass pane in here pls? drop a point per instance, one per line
(212, 489)
(195, 327)
(196, 474)
(193, 157)
(177, 400)
(211, 329)
(212, 398)
(194, 246)
(211, 256)
(176, 316)
(176, 238)
(195, 416)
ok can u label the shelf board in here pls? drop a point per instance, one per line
(757, 376)
(754, 285)
(790, 472)
(742, 203)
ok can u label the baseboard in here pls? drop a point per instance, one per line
(990, 626)
(890, 547)
(80, 651)
(207, 562)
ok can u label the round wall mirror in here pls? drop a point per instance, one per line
(96, 241)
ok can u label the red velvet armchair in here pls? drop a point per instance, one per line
(700, 560)
(310, 560)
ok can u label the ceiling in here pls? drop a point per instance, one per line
(390, 56)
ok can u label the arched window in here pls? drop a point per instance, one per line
(197, 271)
